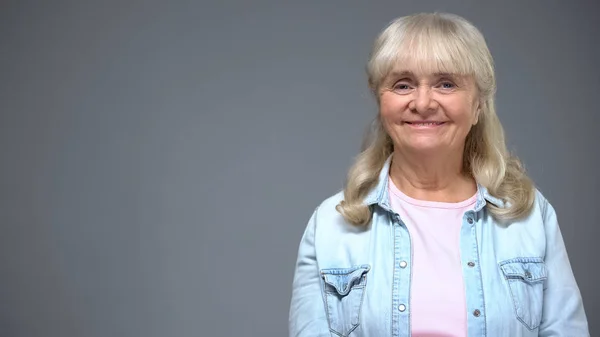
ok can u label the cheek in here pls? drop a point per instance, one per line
(461, 112)
(390, 107)
(389, 119)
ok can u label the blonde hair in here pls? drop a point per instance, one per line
(440, 42)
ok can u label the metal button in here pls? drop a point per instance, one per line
(527, 274)
(471, 264)
(403, 264)
(470, 220)
(476, 313)
(402, 307)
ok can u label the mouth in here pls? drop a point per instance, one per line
(425, 124)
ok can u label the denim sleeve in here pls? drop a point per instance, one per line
(307, 310)
(563, 313)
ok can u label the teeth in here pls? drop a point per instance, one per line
(425, 123)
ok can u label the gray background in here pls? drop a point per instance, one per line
(160, 160)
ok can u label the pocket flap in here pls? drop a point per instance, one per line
(343, 279)
(528, 269)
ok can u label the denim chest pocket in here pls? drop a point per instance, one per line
(525, 277)
(344, 289)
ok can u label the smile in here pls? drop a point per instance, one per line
(424, 125)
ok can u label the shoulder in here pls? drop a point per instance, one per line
(532, 223)
(542, 205)
(328, 221)
(326, 209)
(547, 212)
(541, 217)
(331, 201)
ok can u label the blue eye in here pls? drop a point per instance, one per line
(448, 85)
(401, 86)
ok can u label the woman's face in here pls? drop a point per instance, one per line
(428, 113)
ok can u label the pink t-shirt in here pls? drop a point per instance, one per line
(437, 295)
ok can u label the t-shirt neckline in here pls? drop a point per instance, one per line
(431, 204)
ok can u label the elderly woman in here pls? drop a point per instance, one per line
(438, 231)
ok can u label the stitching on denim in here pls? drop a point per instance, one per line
(335, 271)
(530, 328)
(521, 261)
(395, 280)
(362, 296)
(361, 286)
(327, 306)
(474, 230)
(512, 296)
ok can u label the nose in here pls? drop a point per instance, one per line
(423, 101)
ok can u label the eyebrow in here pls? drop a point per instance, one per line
(411, 74)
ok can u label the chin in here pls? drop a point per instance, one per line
(427, 147)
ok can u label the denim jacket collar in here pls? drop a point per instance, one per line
(380, 195)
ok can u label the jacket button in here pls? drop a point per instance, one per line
(401, 307)
(471, 264)
(527, 274)
(470, 220)
(403, 264)
(476, 313)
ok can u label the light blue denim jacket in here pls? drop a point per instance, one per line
(355, 282)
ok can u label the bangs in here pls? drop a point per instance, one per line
(423, 47)
(431, 55)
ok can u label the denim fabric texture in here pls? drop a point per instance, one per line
(352, 281)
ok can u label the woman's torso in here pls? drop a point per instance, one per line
(437, 285)
(367, 272)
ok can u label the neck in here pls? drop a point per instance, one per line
(436, 177)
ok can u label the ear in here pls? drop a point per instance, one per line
(477, 112)
(476, 119)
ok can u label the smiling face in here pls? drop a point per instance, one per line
(428, 112)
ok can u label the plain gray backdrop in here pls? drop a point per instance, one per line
(160, 160)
